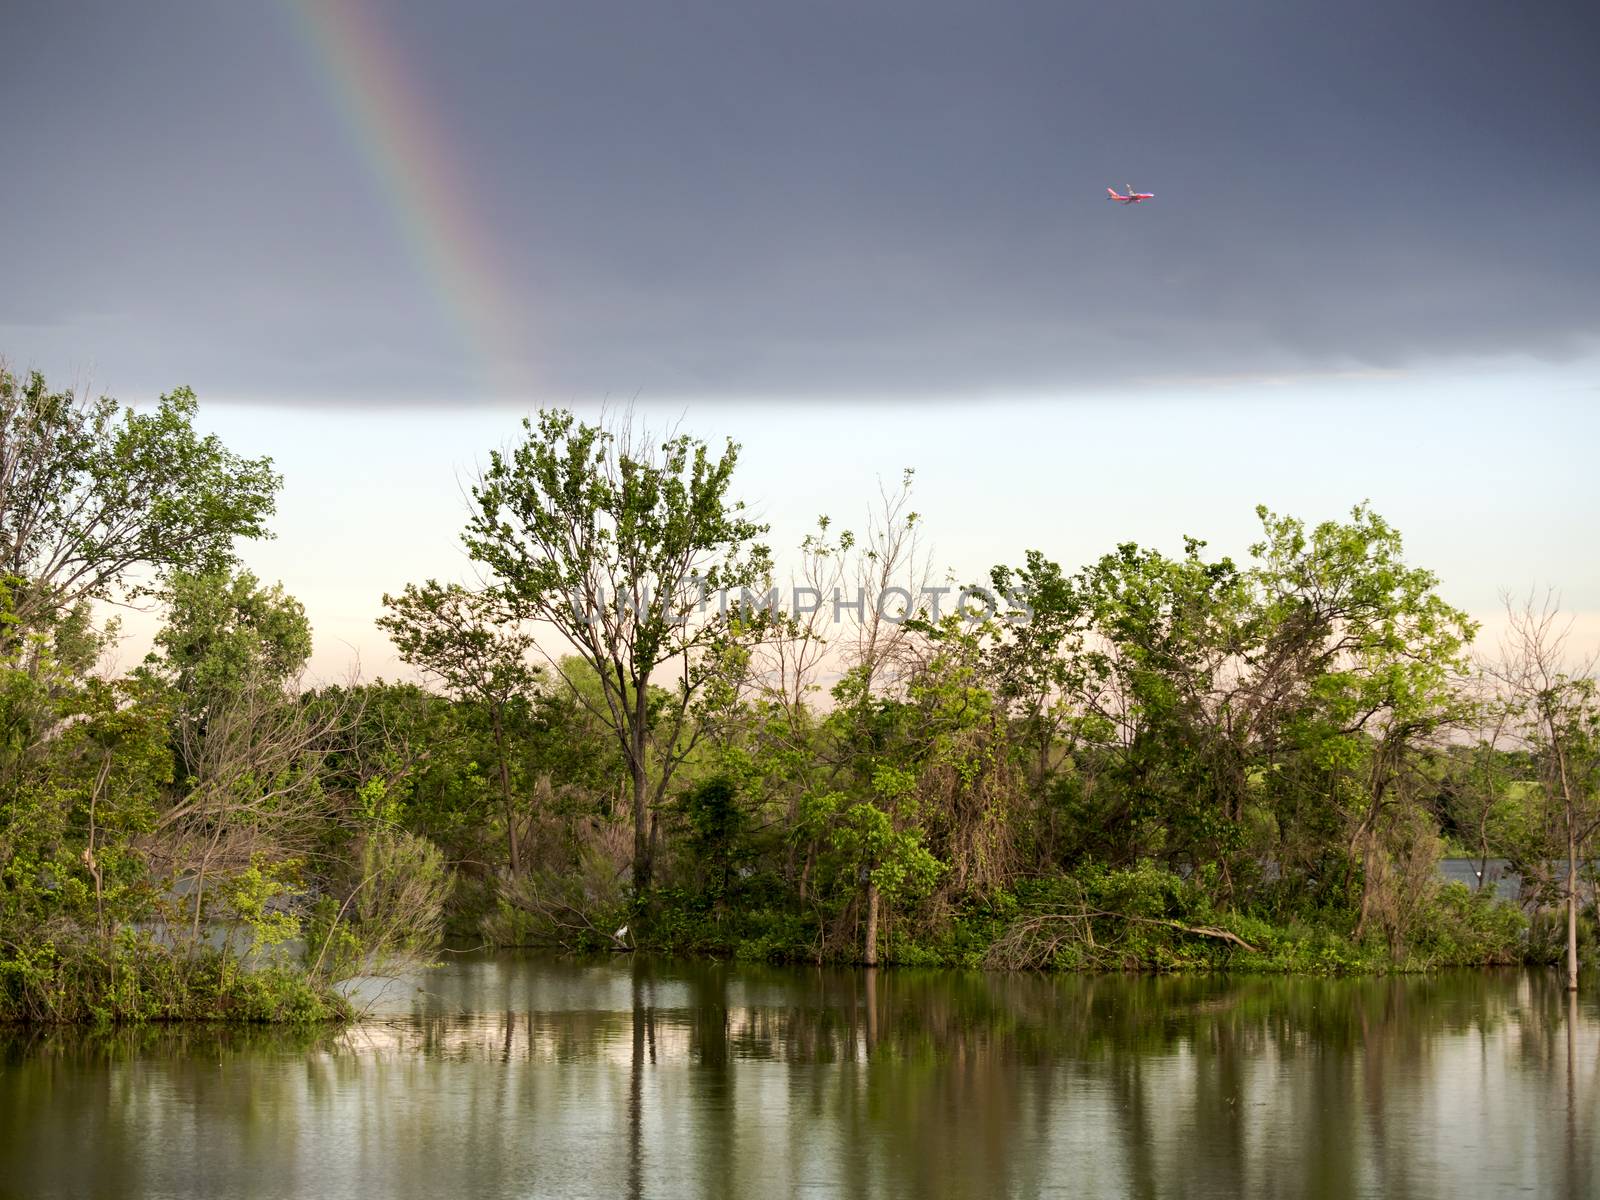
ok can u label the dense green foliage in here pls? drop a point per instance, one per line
(173, 843)
(1153, 762)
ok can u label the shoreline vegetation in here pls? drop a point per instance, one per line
(1153, 762)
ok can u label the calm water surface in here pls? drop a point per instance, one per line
(517, 1075)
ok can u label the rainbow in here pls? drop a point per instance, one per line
(375, 94)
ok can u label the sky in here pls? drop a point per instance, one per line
(856, 237)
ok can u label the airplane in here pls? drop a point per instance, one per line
(1132, 197)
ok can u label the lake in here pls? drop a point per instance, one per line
(523, 1075)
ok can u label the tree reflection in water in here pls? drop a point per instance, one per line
(526, 1076)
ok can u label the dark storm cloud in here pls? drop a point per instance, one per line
(811, 200)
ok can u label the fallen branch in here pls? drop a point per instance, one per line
(1036, 939)
(1198, 930)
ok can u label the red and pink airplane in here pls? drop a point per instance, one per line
(1132, 197)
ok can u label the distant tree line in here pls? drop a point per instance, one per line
(1152, 761)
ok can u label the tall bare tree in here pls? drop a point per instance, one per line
(1555, 706)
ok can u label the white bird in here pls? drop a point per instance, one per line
(621, 933)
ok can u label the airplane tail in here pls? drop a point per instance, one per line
(1112, 192)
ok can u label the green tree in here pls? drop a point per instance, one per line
(465, 641)
(1242, 714)
(226, 632)
(1037, 658)
(1364, 665)
(72, 820)
(623, 546)
(93, 494)
(1161, 678)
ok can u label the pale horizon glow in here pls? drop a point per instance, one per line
(1488, 479)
